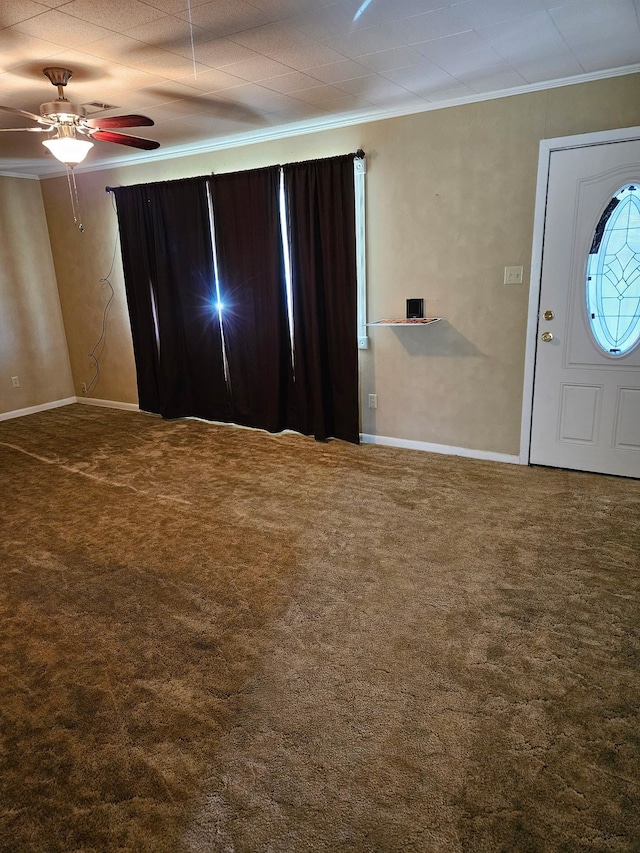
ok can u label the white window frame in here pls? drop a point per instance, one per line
(359, 172)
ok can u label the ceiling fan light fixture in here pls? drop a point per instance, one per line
(68, 149)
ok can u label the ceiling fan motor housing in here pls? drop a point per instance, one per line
(62, 110)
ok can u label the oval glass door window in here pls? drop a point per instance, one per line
(613, 275)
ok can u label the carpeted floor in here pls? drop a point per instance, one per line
(214, 639)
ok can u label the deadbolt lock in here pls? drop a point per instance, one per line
(546, 337)
(548, 315)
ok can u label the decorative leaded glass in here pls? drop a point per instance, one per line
(613, 275)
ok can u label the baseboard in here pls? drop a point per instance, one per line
(383, 440)
(31, 410)
(440, 448)
(107, 404)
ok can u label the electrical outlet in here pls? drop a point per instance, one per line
(373, 401)
(513, 275)
(15, 382)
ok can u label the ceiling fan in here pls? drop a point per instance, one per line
(69, 124)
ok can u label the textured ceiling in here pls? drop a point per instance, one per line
(223, 69)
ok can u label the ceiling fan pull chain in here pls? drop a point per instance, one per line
(75, 204)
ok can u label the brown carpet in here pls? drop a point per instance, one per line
(214, 639)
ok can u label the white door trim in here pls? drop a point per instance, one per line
(547, 146)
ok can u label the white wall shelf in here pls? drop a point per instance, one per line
(413, 321)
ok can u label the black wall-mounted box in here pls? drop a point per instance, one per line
(415, 308)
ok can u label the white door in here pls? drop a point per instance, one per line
(586, 399)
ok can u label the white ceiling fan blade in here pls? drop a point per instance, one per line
(27, 129)
(26, 114)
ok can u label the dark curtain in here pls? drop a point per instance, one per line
(321, 215)
(252, 287)
(168, 266)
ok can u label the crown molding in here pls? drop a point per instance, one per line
(30, 177)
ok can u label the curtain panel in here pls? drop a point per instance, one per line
(167, 256)
(251, 279)
(321, 214)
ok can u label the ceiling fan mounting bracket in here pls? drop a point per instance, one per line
(58, 76)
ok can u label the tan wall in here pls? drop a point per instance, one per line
(450, 202)
(32, 339)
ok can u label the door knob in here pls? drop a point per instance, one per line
(546, 337)
(548, 315)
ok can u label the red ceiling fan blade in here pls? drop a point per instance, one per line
(118, 121)
(123, 139)
(24, 113)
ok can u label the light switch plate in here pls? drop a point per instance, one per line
(513, 275)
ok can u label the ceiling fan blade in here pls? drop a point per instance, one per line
(24, 113)
(123, 139)
(27, 129)
(118, 121)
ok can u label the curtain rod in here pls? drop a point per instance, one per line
(359, 155)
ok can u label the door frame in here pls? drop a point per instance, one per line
(547, 147)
